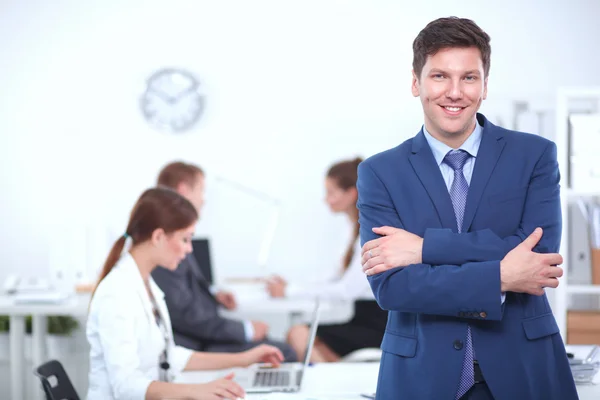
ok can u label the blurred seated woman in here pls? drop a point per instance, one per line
(368, 324)
(132, 353)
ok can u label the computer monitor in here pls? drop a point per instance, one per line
(201, 248)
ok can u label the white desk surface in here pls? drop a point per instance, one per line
(348, 380)
(76, 305)
(321, 381)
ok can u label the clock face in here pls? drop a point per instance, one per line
(172, 100)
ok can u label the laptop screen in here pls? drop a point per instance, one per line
(313, 333)
(201, 249)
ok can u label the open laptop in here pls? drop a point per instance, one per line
(287, 377)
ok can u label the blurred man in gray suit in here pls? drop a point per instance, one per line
(192, 302)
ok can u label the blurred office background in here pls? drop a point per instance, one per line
(289, 86)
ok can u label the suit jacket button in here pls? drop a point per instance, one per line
(483, 314)
(458, 344)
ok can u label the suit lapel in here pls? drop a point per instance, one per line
(192, 264)
(491, 147)
(430, 176)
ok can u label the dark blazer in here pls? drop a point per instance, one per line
(513, 190)
(193, 309)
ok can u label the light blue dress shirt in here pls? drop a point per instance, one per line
(471, 146)
(439, 149)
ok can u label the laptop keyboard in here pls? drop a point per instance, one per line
(271, 378)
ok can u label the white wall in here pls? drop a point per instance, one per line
(292, 87)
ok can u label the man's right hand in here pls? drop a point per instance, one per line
(524, 271)
(260, 330)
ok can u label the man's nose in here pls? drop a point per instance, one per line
(455, 90)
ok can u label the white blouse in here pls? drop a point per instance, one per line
(351, 285)
(125, 342)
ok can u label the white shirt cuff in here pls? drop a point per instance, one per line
(249, 330)
(502, 298)
(179, 358)
(213, 289)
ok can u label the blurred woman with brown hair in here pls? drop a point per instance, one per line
(368, 324)
(132, 353)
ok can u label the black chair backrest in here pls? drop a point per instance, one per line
(63, 390)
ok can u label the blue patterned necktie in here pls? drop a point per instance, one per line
(458, 193)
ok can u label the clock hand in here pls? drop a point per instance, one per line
(184, 93)
(164, 96)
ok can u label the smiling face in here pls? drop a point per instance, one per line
(451, 87)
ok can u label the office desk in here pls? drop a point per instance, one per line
(77, 306)
(341, 381)
(322, 381)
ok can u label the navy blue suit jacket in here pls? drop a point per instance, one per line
(513, 190)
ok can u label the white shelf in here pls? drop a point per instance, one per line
(583, 289)
(574, 194)
(568, 101)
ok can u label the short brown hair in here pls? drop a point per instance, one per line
(175, 173)
(450, 32)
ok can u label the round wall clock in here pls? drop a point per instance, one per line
(172, 100)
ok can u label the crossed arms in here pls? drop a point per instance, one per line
(430, 279)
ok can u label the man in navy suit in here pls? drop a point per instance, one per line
(460, 227)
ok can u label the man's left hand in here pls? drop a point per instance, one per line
(227, 299)
(396, 248)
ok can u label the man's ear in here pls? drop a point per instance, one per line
(158, 236)
(415, 84)
(183, 189)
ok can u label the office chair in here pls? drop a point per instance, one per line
(64, 389)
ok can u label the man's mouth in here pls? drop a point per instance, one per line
(453, 110)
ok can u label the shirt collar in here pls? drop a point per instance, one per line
(439, 149)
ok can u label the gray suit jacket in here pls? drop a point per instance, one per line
(193, 309)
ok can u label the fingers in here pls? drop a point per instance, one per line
(369, 255)
(385, 230)
(229, 376)
(551, 283)
(552, 259)
(373, 262)
(537, 292)
(377, 269)
(371, 244)
(276, 355)
(273, 359)
(230, 389)
(532, 240)
(554, 272)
